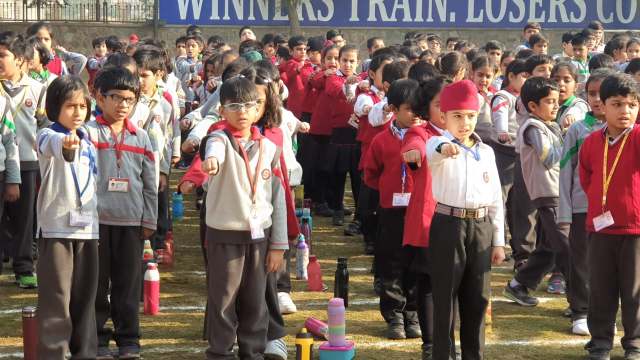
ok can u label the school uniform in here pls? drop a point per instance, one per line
(94, 64)
(127, 193)
(9, 159)
(468, 221)
(385, 172)
(296, 72)
(344, 152)
(320, 133)
(45, 77)
(25, 101)
(614, 249)
(573, 106)
(238, 230)
(484, 124)
(417, 225)
(583, 70)
(305, 154)
(573, 210)
(68, 257)
(540, 149)
(187, 68)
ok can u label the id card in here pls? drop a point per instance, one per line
(79, 218)
(603, 221)
(255, 224)
(401, 199)
(118, 185)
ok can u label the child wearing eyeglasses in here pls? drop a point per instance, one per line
(127, 193)
(246, 228)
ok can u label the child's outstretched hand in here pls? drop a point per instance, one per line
(364, 85)
(504, 138)
(186, 187)
(329, 72)
(351, 80)
(412, 157)
(185, 124)
(570, 119)
(274, 260)
(210, 166)
(497, 255)
(304, 127)
(450, 150)
(11, 192)
(71, 142)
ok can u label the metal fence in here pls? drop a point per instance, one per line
(103, 11)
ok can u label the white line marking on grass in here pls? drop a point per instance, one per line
(11, 355)
(181, 308)
(373, 301)
(10, 311)
(542, 300)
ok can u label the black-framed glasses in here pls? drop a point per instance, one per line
(118, 99)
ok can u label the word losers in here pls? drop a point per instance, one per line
(615, 14)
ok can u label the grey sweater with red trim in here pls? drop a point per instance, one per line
(139, 206)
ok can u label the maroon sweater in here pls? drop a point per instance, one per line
(623, 197)
(295, 80)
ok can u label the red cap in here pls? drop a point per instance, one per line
(133, 38)
(461, 95)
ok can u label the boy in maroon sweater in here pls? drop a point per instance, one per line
(385, 171)
(609, 167)
(296, 72)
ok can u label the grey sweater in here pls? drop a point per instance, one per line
(9, 159)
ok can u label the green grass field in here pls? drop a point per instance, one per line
(516, 332)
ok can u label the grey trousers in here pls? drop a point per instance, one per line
(236, 300)
(68, 272)
(613, 276)
(523, 233)
(579, 267)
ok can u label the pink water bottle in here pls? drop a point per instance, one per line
(29, 333)
(314, 273)
(337, 323)
(151, 289)
(316, 327)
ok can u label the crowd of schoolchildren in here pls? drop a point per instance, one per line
(451, 151)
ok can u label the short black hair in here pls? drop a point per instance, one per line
(234, 68)
(238, 90)
(599, 75)
(567, 37)
(60, 90)
(249, 45)
(633, 66)
(579, 40)
(181, 40)
(216, 41)
(114, 44)
(587, 32)
(463, 44)
(536, 60)
(452, 39)
(385, 50)
(573, 71)
(595, 25)
(34, 28)
(284, 53)
(372, 40)
(193, 30)
(619, 85)
(149, 59)
(434, 37)
(98, 41)
(411, 52)
(422, 71)
(633, 40)
(537, 38)
(535, 89)
(524, 54)
(246, 27)
(483, 61)
(197, 38)
(403, 91)
(315, 43)
(600, 61)
(516, 67)
(297, 40)
(394, 71)
(347, 49)
(117, 78)
(16, 44)
(378, 60)
(451, 63)
(333, 33)
(280, 39)
(493, 45)
(532, 25)
(617, 43)
(119, 60)
(429, 89)
(268, 39)
(34, 45)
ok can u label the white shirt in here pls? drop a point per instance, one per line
(289, 127)
(377, 116)
(467, 183)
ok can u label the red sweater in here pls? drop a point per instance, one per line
(295, 81)
(340, 109)
(320, 119)
(311, 94)
(366, 132)
(198, 177)
(55, 65)
(383, 168)
(623, 197)
(422, 205)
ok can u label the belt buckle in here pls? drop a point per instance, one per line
(471, 213)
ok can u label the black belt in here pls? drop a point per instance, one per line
(462, 213)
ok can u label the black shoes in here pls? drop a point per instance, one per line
(520, 294)
(323, 210)
(352, 229)
(338, 217)
(395, 331)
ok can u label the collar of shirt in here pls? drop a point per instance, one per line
(398, 131)
(13, 89)
(613, 141)
(255, 131)
(127, 124)
(439, 130)
(59, 128)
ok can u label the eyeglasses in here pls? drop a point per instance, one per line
(240, 107)
(128, 101)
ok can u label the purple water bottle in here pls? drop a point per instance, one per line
(337, 324)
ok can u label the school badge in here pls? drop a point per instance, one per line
(28, 103)
(156, 118)
(485, 176)
(266, 174)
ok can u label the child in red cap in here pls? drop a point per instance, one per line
(467, 231)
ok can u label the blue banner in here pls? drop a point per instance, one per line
(445, 14)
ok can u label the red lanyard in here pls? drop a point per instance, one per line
(253, 180)
(118, 146)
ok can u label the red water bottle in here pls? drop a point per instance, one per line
(151, 289)
(314, 281)
(29, 333)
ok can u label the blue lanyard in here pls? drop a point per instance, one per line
(476, 153)
(75, 176)
(404, 175)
